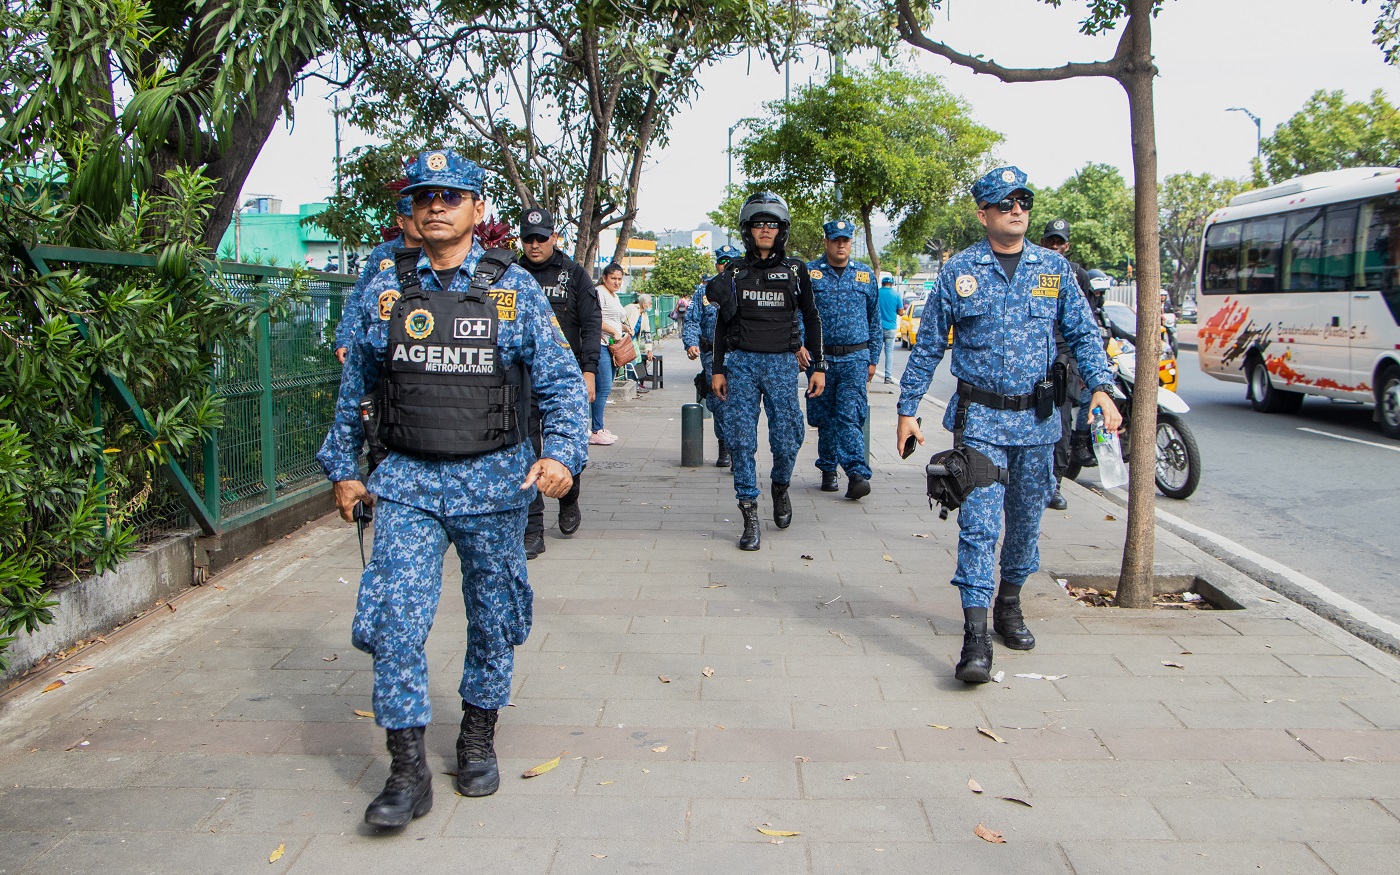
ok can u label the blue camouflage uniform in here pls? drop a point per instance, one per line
(474, 503)
(699, 323)
(380, 258)
(849, 302)
(1004, 342)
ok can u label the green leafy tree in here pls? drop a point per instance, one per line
(1187, 201)
(678, 270)
(1098, 204)
(1330, 133)
(883, 140)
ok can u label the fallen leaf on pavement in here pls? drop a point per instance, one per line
(920, 535)
(779, 832)
(171, 607)
(802, 759)
(1017, 801)
(605, 783)
(998, 677)
(744, 780)
(79, 669)
(1032, 676)
(332, 658)
(1110, 517)
(277, 854)
(707, 672)
(1170, 664)
(599, 856)
(540, 769)
(663, 679)
(359, 713)
(220, 588)
(840, 637)
(992, 735)
(886, 557)
(715, 586)
(989, 835)
(938, 726)
(807, 557)
(661, 748)
(974, 786)
(849, 777)
(53, 686)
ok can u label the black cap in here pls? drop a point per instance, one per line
(536, 222)
(1056, 228)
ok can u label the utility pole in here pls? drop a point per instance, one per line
(727, 239)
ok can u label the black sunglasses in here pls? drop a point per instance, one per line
(771, 226)
(450, 196)
(1026, 201)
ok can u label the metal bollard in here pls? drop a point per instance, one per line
(692, 436)
(865, 431)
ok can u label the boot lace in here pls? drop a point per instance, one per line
(478, 728)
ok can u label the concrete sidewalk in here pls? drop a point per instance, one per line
(696, 694)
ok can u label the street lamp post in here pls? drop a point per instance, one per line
(1258, 130)
(732, 128)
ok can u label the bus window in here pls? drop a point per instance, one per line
(1380, 250)
(1259, 254)
(1338, 249)
(1222, 259)
(1302, 252)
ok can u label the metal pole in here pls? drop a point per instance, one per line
(692, 436)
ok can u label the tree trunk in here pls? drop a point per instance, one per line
(645, 129)
(870, 241)
(1135, 579)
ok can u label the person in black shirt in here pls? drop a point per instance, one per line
(1056, 237)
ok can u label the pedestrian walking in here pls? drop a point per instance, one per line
(1056, 238)
(1005, 297)
(569, 290)
(449, 375)
(891, 306)
(380, 258)
(758, 353)
(636, 322)
(849, 303)
(698, 335)
(610, 306)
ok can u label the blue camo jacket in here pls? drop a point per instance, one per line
(490, 482)
(380, 258)
(849, 303)
(1003, 338)
(700, 318)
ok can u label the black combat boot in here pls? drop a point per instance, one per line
(534, 544)
(1057, 498)
(857, 487)
(477, 774)
(750, 539)
(1008, 622)
(975, 665)
(1081, 449)
(409, 791)
(782, 506)
(724, 460)
(829, 481)
(569, 518)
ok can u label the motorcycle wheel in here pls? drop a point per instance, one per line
(1178, 458)
(1073, 471)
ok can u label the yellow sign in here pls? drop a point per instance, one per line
(505, 303)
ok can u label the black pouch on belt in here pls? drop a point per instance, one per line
(1059, 375)
(1045, 398)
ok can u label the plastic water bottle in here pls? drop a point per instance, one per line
(1112, 472)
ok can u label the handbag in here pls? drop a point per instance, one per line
(623, 351)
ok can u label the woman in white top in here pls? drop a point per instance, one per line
(612, 329)
(636, 321)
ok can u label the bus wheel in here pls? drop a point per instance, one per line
(1388, 402)
(1264, 397)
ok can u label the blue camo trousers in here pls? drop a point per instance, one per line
(399, 594)
(769, 378)
(979, 521)
(839, 414)
(707, 359)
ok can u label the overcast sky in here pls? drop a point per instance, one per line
(1267, 56)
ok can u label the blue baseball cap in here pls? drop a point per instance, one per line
(887, 281)
(837, 228)
(405, 206)
(999, 183)
(443, 168)
(727, 253)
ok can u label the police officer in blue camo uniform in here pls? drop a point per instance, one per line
(1005, 296)
(849, 303)
(698, 335)
(758, 351)
(380, 258)
(1056, 237)
(468, 339)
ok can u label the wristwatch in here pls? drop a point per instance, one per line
(1105, 388)
(819, 366)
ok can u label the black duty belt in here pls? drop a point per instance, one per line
(994, 400)
(847, 349)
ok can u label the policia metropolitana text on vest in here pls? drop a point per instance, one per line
(461, 341)
(758, 352)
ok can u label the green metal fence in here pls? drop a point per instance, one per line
(279, 394)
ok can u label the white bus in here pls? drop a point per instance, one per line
(1299, 292)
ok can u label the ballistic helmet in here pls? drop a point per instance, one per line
(764, 206)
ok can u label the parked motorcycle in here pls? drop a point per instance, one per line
(1178, 458)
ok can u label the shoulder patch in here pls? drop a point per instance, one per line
(386, 263)
(1047, 287)
(387, 299)
(965, 285)
(559, 337)
(505, 303)
(862, 276)
(814, 274)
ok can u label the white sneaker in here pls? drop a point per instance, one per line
(609, 434)
(599, 439)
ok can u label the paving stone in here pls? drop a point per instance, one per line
(1115, 622)
(1204, 744)
(1191, 858)
(564, 685)
(612, 742)
(1178, 778)
(844, 820)
(73, 768)
(419, 850)
(606, 855)
(1348, 857)
(940, 684)
(1271, 715)
(754, 626)
(798, 691)
(1383, 712)
(576, 662)
(1314, 666)
(780, 745)
(270, 771)
(1149, 664)
(674, 713)
(1334, 780)
(628, 779)
(1304, 689)
(907, 780)
(1052, 819)
(231, 736)
(1170, 688)
(1012, 714)
(504, 816)
(934, 745)
(621, 643)
(782, 645)
(1275, 644)
(897, 858)
(105, 808)
(18, 848)
(883, 715)
(175, 853)
(1368, 745)
(1278, 820)
(675, 665)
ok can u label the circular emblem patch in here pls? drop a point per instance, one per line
(437, 161)
(387, 299)
(814, 274)
(966, 285)
(841, 225)
(533, 217)
(1008, 176)
(419, 324)
(386, 264)
(1059, 225)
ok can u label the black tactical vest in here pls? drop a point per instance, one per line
(766, 298)
(555, 284)
(446, 393)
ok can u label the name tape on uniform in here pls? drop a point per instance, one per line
(436, 358)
